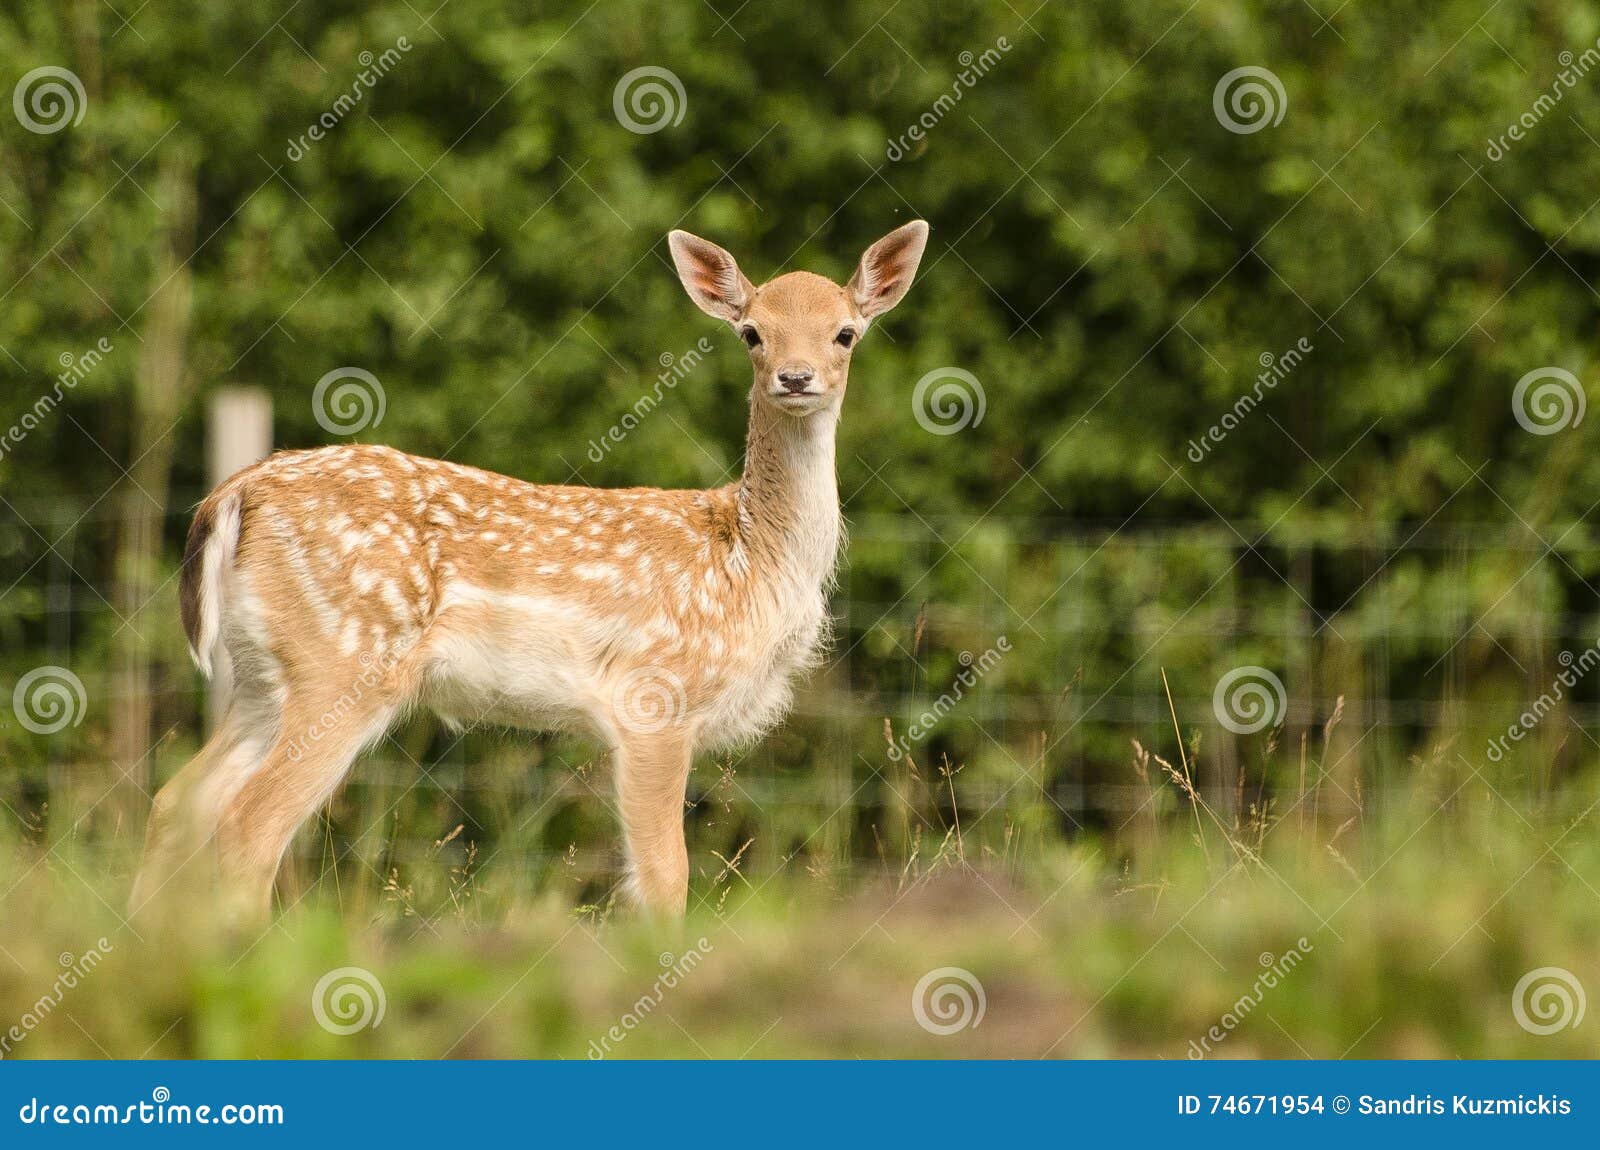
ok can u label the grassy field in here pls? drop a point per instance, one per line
(1401, 934)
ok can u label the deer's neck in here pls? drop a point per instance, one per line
(789, 495)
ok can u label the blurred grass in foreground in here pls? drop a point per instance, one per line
(1417, 927)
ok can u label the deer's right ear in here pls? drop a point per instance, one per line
(710, 276)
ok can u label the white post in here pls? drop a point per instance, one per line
(239, 433)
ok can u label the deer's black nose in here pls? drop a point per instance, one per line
(796, 377)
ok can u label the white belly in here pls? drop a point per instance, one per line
(543, 663)
(517, 660)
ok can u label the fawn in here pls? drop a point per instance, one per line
(330, 590)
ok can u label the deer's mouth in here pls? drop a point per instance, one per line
(795, 400)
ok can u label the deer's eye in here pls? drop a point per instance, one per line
(752, 338)
(846, 337)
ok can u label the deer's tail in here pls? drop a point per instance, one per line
(207, 557)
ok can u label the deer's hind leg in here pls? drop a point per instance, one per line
(179, 837)
(327, 722)
(185, 812)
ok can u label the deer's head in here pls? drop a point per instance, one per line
(800, 328)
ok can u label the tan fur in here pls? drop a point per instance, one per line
(363, 581)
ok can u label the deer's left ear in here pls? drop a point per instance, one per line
(886, 270)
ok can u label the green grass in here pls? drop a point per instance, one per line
(1418, 921)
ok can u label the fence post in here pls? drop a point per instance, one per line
(238, 433)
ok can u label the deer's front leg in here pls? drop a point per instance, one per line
(652, 778)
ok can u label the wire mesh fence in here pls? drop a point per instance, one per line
(990, 679)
